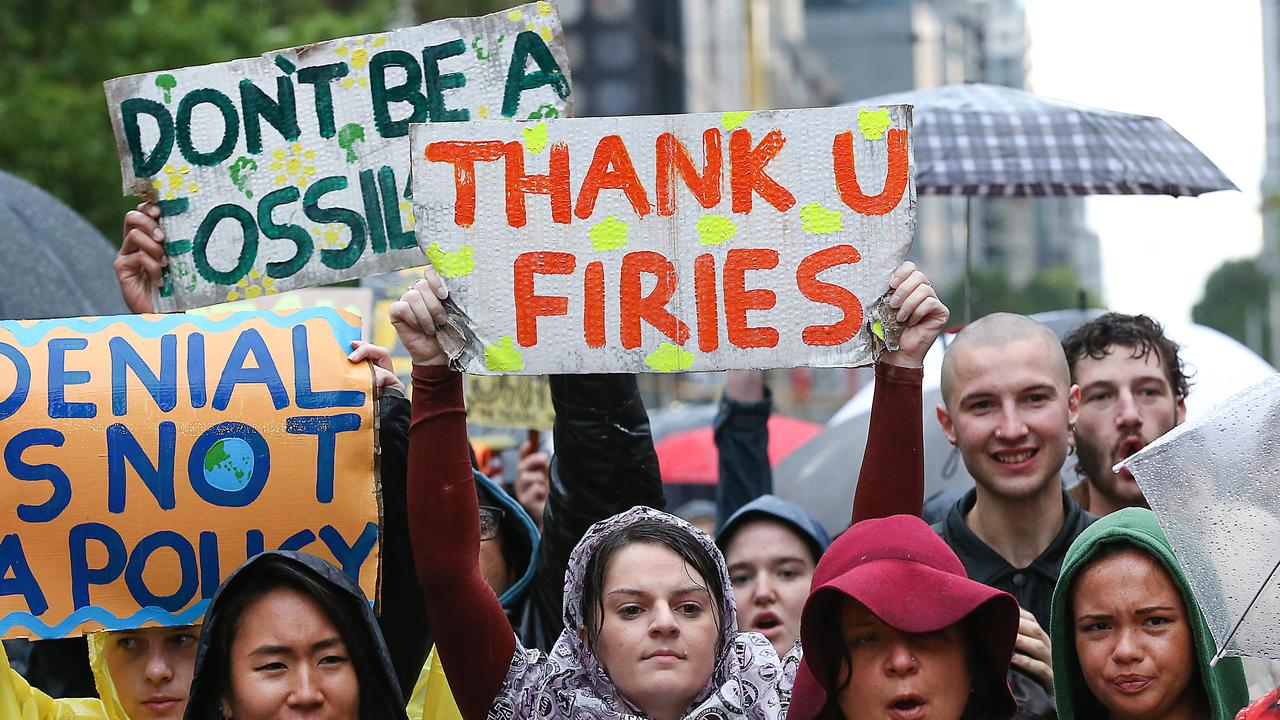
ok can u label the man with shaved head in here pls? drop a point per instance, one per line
(1009, 406)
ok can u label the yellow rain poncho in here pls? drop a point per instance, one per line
(20, 701)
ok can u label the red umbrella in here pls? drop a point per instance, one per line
(689, 457)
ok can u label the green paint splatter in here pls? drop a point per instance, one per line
(167, 83)
(240, 171)
(483, 54)
(451, 264)
(731, 120)
(545, 110)
(535, 137)
(873, 123)
(348, 136)
(503, 357)
(715, 229)
(819, 220)
(609, 234)
(877, 327)
(669, 357)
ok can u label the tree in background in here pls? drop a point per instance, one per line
(1235, 302)
(55, 55)
(1053, 288)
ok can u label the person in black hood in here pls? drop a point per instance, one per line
(287, 631)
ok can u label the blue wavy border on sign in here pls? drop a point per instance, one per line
(29, 335)
(95, 614)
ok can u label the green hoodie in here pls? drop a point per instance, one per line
(1224, 684)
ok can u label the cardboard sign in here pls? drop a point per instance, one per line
(147, 456)
(510, 401)
(357, 301)
(292, 169)
(685, 242)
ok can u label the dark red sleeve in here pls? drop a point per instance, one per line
(892, 478)
(471, 631)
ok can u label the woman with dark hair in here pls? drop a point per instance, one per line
(287, 632)
(650, 621)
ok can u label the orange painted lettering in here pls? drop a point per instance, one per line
(827, 293)
(529, 307)
(593, 304)
(895, 183)
(747, 171)
(651, 308)
(738, 299)
(554, 183)
(704, 290)
(611, 167)
(464, 154)
(673, 157)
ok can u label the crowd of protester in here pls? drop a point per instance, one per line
(574, 595)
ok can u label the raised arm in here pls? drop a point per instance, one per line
(470, 629)
(604, 464)
(891, 481)
(742, 442)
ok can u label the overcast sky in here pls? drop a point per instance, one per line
(1198, 66)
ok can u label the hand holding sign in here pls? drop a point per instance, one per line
(417, 314)
(141, 261)
(921, 312)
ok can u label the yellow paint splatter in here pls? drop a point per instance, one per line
(819, 220)
(535, 137)
(732, 120)
(251, 286)
(451, 264)
(715, 229)
(544, 8)
(175, 181)
(545, 32)
(669, 357)
(330, 236)
(483, 111)
(609, 234)
(406, 212)
(293, 166)
(503, 357)
(515, 15)
(873, 123)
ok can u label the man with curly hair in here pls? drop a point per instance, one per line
(1132, 391)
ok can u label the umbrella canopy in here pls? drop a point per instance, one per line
(689, 457)
(52, 262)
(1219, 365)
(1214, 484)
(977, 139)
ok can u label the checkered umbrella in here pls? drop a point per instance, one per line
(988, 140)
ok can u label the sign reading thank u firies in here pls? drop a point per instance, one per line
(145, 457)
(292, 169)
(684, 242)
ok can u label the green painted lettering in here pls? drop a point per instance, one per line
(437, 83)
(319, 77)
(382, 96)
(530, 45)
(281, 112)
(287, 231)
(248, 246)
(338, 259)
(230, 126)
(146, 164)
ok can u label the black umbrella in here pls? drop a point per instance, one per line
(52, 262)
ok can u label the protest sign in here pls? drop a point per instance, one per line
(357, 301)
(147, 456)
(685, 242)
(291, 169)
(509, 401)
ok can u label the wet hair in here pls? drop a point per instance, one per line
(655, 532)
(839, 673)
(1143, 335)
(273, 573)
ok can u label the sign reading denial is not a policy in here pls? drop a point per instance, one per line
(685, 242)
(291, 169)
(147, 456)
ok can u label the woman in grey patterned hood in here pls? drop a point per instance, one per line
(650, 630)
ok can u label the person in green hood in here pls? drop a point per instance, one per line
(1129, 642)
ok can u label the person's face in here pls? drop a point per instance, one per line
(1009, 413)
(771, 569)
(493, 565)
(1133, 637)
(895, 675)
(1125, 403)
(658, 638)
(288, 660)
(151, 669)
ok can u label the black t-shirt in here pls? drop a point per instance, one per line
(1032, 585)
